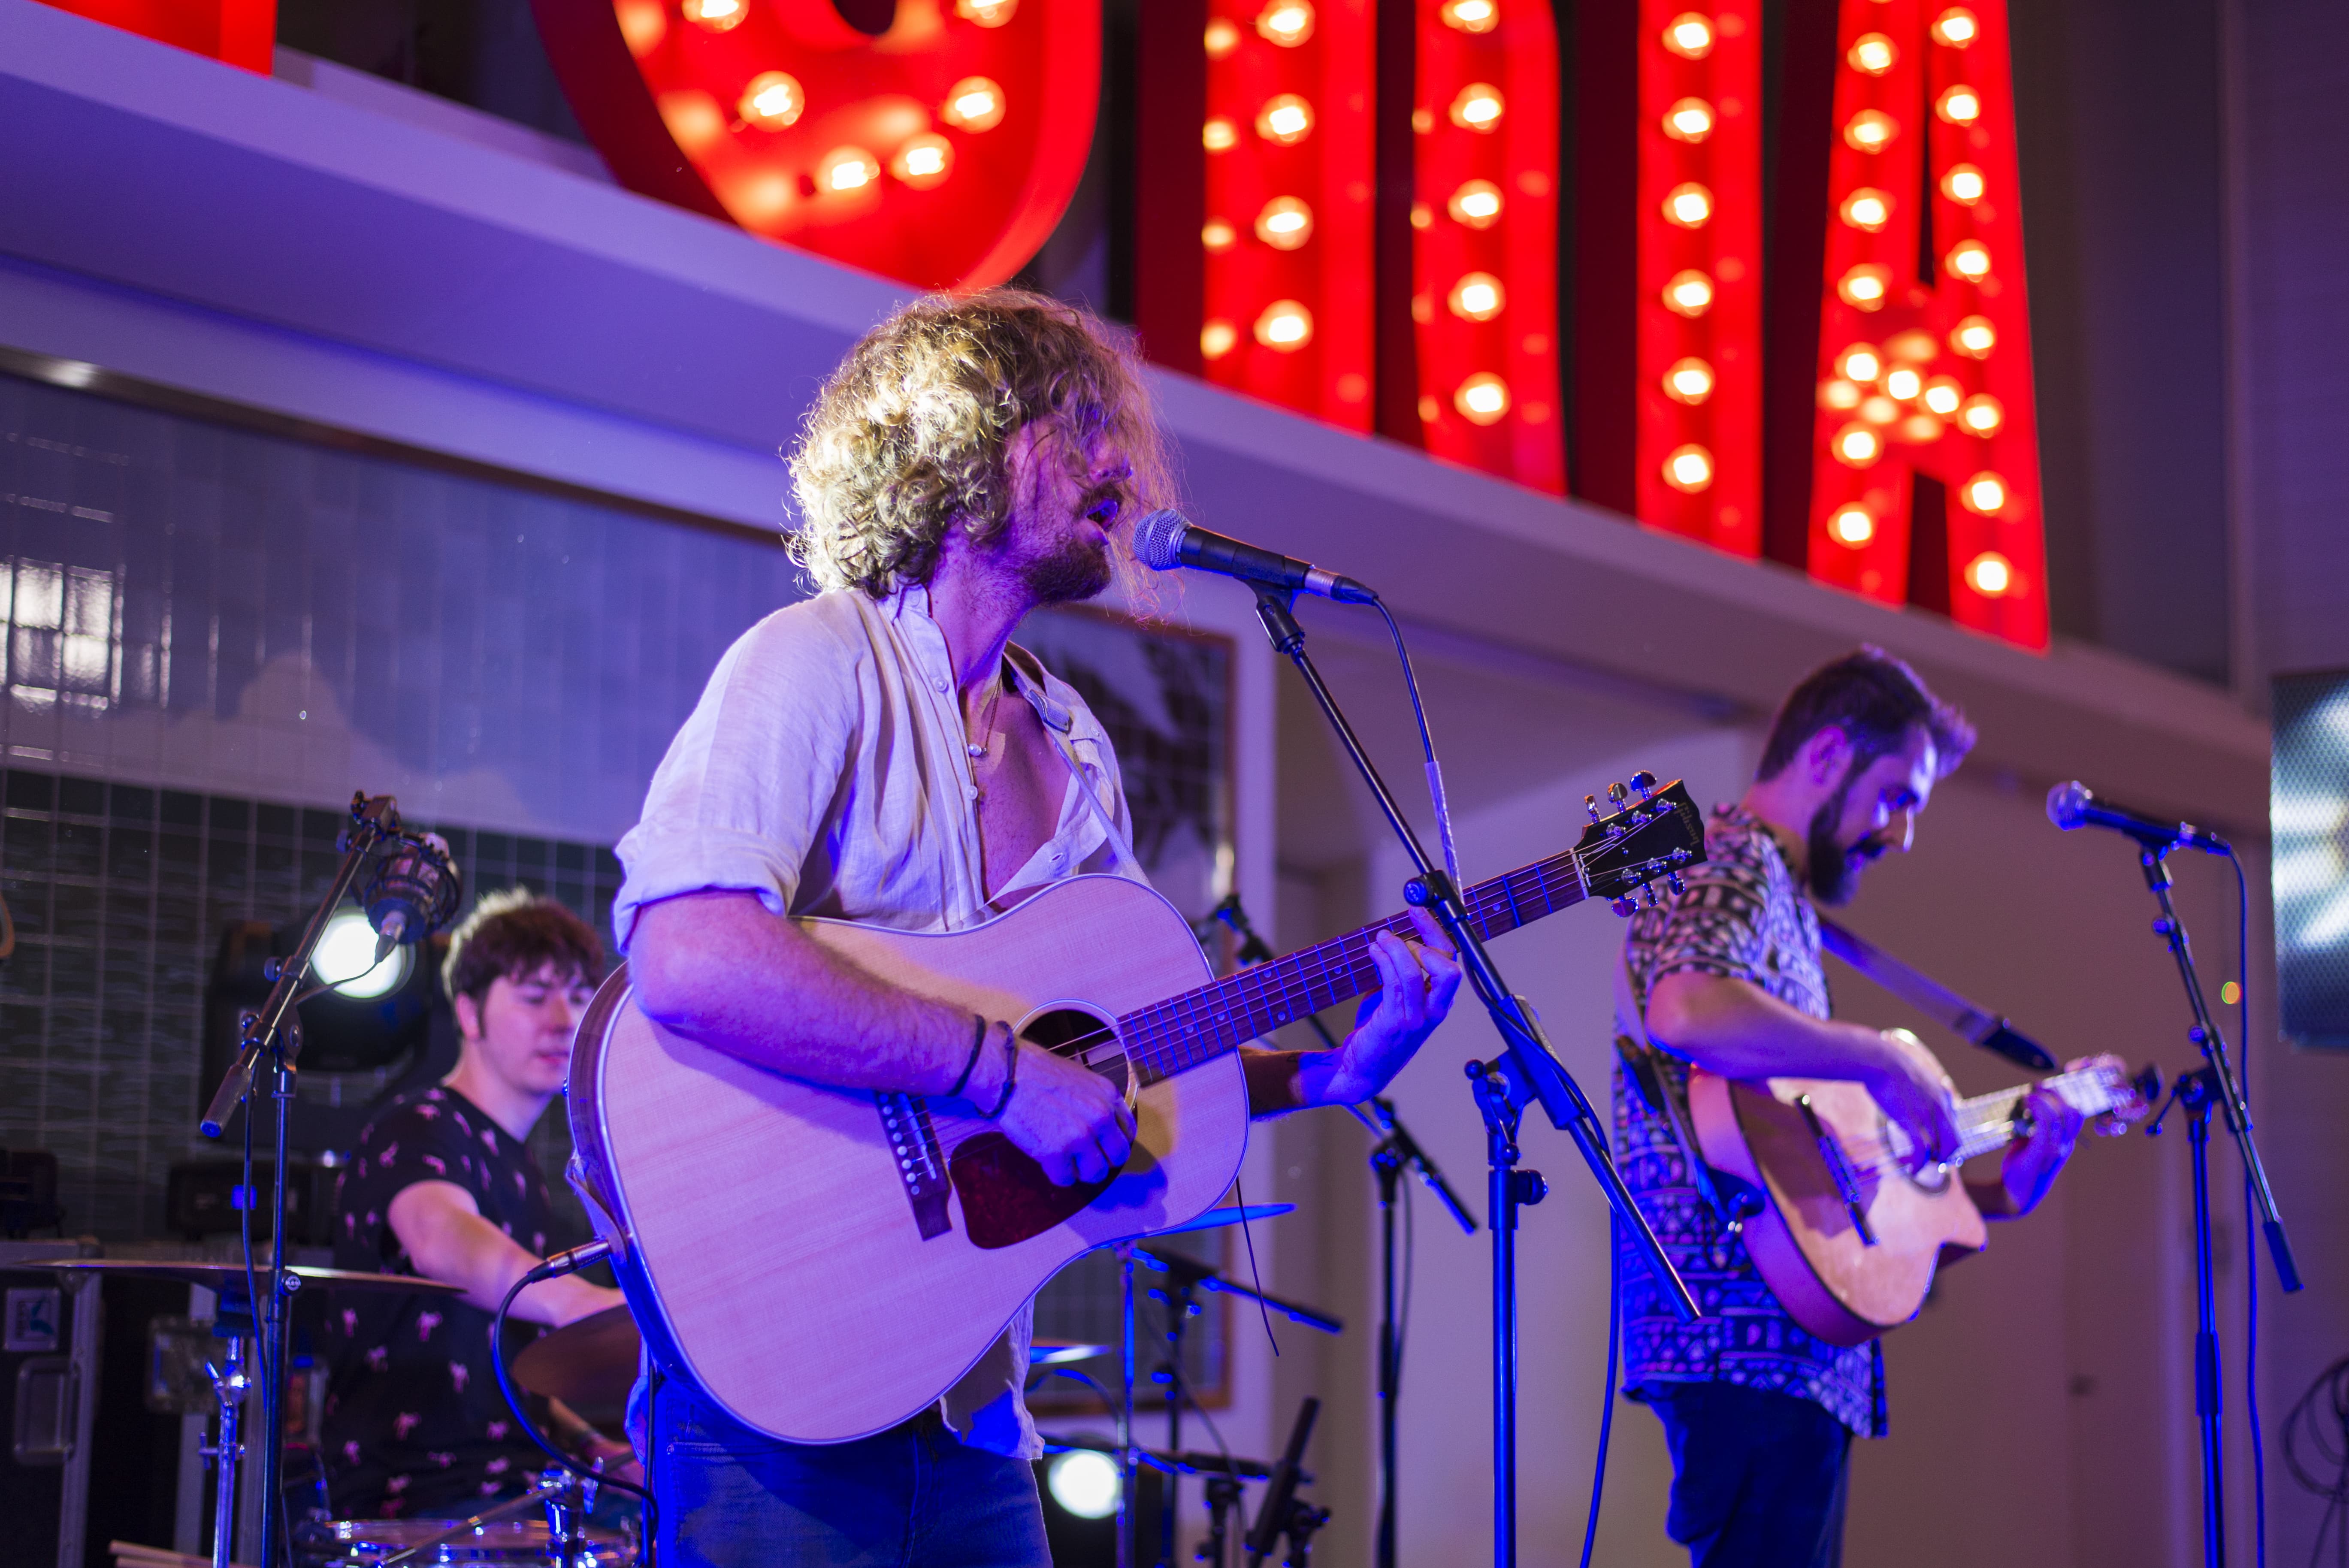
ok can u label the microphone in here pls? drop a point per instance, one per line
(1165, 539)
(2073, 805)
(415, 890)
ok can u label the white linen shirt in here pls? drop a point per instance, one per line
(825, 769)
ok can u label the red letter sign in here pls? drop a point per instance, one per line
(1932, 381)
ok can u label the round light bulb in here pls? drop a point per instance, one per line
(1470, 15)
(1423, 216)
(1866, 209)
(1903, 384)
(1958, 106)
(1688, 204)
(773, 100)
(1688, 381)
(975, 104)
(1287, 23)
(1943, 394)
(1084, 1483)
(1865, 287)
(1871, 130)
(1974, 338)
(987, 12)
(1689, 119)
(1286, 326)
(1983, 414)
(1285, 223)
(1284, 119)
(1688, 468)
(1221, 39)
(1218, 338)
(1217, 235)
(1219, 135)
(1852, 526)
(1860, 362)
(923, 161)
(1477, 107)
(1689, 36)
(1689, 294)
(846, 169)
(1839, 394)
(1482, 398)
(1477, 296)
(1964, 184)
(717, 15)
(1970, 259)
(1990, 574)
(1872, 53)
(1857, 446)
(1477, 203)
(1985, 493)
(1957, 27)
(643, 24)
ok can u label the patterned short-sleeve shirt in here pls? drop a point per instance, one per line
(414, 1421)
(1745, 916)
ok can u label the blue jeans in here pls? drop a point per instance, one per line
(1758, 1477)
(911, 1497)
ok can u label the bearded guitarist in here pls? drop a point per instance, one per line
(883, 754)
(1726, 977)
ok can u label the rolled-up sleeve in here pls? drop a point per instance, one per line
(747, 784)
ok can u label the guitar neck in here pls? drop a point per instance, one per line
(1989, 1122)
(1199, 1025)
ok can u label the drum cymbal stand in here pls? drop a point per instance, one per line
(569, 1498)
(232, 1321)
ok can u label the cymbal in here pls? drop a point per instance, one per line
(1230, 1216)
(1056, 1353)
(229, 1279)
(589, 1363)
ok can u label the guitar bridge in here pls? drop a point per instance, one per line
(1846, 1179)
(920, 1165)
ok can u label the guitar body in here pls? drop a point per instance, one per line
(779, 1249)
(1805, 1242)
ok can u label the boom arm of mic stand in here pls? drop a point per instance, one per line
(1188, 1272)
(1384, 1121)
(1537, 1071)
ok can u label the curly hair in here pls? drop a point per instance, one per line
(911, 435)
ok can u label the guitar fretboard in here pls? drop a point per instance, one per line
(1183, 1031)
(1989, 1122)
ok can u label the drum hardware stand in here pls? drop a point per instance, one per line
(554, 1483)
(1282, 1511)
(1526, 1071)
(232, 1321)
(1222, 1495)
(2212, 1084)
(569, 1499)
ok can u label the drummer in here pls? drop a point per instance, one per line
(444, 1185)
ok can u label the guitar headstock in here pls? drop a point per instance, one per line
(2106, 1090)
(1640, 842)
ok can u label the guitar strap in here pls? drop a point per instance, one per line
(1733, 1200)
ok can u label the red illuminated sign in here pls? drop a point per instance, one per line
(235, 32)
(941, 151)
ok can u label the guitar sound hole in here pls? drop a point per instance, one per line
(1931, 1178)
(1069, 1032)
(1005, 1196)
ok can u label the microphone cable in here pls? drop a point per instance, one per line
(2251, 1223)
(1607, 1384)
(1427, 748)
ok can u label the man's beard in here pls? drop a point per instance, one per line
(1834, 870)
(1077, 569)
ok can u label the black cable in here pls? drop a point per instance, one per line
(2329, 1440)
(1606, 1388)
(1427, 743)
(505, 1386)
(2250, 1220)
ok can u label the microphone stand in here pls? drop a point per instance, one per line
(2213, 1083)
(1526, 1072)
(275, 1033)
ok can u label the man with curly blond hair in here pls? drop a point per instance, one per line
(884, 753)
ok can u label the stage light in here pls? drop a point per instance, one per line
(1857, 446)
(1477, 297)
(1470, 15)
(1690, 293)
(846, 169)
(1218, 338)
(717, 15)
(1867, 209)
(1219, 135)
(1285, 118)
(1990, 574)
(1084, 1483)
(1983, 414)
(1688, 468)
(773, 100)
(1217, 236)
(1285, 223)
(1852, 525)
(346, 959)
(1957, 27)
(1860, 362)
(925, 161)
(1903, 384)
(1689, 36)
(1476, 203)
(987, 12)
(1864, 286)
(1288, 23)
(1690, 121)
(1970, 259)
(1871, 130)
(1974, 338)
(1688, 204)
(1958, 106)
(1837, 393)
(1221, 38)
(1943, 394)
(1873, 53)
(643, 25)
(1286, 326)
(1963, 184)
(1478, 107)
(694, 120)
(1688, 381)
(1985, 493)
(975, 104)
(1482, 399)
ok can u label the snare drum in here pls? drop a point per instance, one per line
(498, 1543)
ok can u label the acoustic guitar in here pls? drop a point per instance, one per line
(1849, 1237)
(826, 1263)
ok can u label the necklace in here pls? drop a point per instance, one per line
(978, 749)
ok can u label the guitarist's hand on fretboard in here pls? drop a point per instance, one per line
(2032, 1161)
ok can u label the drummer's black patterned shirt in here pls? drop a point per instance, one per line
(414, 1421)
(1745, 916)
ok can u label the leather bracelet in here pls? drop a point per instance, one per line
(1010, 1075)
(978, 1042)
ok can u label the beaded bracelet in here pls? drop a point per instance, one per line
(978, 1040)
(1010, 1074)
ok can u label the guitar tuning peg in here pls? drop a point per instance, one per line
(1616, 793)
(1647, 895)
(1622, 906)
(1672, 881)
(1590, 804)
(1645, 783)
